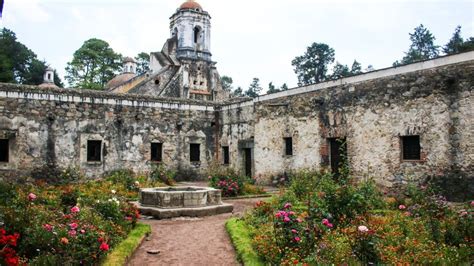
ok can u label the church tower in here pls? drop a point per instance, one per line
(191, 25)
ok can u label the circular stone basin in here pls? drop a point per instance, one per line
(180, 197)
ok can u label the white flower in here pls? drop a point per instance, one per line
(363, 228)
(97, 201)
(113, 191)
(137, 183)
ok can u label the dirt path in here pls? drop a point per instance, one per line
(191, 241)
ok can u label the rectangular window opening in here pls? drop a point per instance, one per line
(156, 152)
(411, 149)
(4, 150)
(288, 146)
(195, 152)
(94, 150)
(225, 151)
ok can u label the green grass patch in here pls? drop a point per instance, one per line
(124, 250)
(240, 236)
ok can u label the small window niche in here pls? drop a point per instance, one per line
(195, 152)
(225, 153)
(156, 152)
(94, 151)
(288, 146)
(411, 148)
(4, 151)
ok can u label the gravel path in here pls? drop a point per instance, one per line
(191, 241)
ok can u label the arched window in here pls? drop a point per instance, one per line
(197, 33)
(49, 76)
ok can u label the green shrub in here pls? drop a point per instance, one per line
(163, 175)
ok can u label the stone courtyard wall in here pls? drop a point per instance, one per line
(431, 99)
(53, 125)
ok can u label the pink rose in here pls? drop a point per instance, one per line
(297, 239)
(363, 229)
(75, 209)
(299, 220)
(325, 221)
(82, 231)
(402, 207)
(72, 233)
(329, 225)
(73, 226)
(472, 203)
(463, 213)
(294, 231)
(31, 197)
(287, 205)
(286, 219)
(48, 227)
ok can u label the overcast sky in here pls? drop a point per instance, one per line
(250, 38)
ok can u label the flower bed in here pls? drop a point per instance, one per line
(232, 184)
(67, 224)
(318, 220)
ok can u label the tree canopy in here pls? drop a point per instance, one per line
(93, 65)
(143, 63)
(313, 65)
(254, 88)
(227, 83)
(457, 44)
(18, 64)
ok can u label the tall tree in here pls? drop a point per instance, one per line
(313, 65)
(238, 92)
(227, 83)
(272, 88)
(422, 46)
(254, 88)
(93, 65)
(340, 71)
(356, 68)
(143, 63)
(457, 44)
(18, 64)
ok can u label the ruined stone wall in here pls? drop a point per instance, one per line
(372, 112)
(54, 126)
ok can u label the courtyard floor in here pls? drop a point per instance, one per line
(191, 241)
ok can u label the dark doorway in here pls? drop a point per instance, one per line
(4, 151)
(338, 154)
(248, 161)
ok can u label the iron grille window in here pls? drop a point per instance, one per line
(195, 152)
(156, 152)
(411, 149)
(225, 151)
(4, 151)
(288, 146)
(94, 150)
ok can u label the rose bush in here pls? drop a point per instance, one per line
(320, 220)
(62, 224)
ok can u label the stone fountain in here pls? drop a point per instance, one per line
(169, 202)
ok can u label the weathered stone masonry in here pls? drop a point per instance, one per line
(373, 112)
